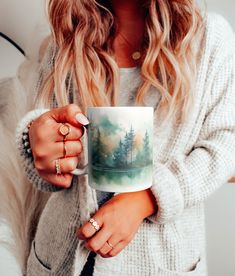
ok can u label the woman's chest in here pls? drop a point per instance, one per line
(172, 138)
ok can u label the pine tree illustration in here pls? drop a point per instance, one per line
(146, 148)
(119, 156)
(99, 149)
(131, 141)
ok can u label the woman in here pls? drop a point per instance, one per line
(160, 53)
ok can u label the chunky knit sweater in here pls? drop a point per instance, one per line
(191, 161)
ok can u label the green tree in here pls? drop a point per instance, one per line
(139, 157)
(99, 151)
(128, 146)
(146, 149)
(119, 155)
(131, 137)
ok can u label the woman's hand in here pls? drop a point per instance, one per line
(119, 219)
(47, 143)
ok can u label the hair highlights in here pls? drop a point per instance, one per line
(83, 31)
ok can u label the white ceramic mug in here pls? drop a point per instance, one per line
(120, 147)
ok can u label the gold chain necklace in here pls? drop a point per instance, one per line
(136, 55)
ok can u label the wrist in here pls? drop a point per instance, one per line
(147, 203)
(144, 201)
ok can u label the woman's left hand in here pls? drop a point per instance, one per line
(119, 219)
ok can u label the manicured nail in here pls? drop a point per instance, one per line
(82, 119)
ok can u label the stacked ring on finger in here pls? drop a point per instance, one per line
(110, 244)
(94, 223)
(57, 166)
(64, 130)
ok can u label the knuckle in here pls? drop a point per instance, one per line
(71, 165)
(72, 108)
(38, 154)
(43, 119)
(84, 233)
(124, 234)
(93, 245)
(40, 134)
(79, 147)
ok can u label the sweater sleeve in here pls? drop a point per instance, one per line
(27, 162)
(187, 180)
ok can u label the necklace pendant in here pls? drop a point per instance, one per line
(136, 55)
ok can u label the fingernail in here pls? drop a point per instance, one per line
(82, 119)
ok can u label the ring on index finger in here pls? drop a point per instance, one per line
(64, 130)
(95, 224)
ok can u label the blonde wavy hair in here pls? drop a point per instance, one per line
(83, 32)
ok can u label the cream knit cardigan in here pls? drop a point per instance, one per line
(191, 161)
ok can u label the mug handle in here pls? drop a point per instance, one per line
(80, 171)
(84, 170)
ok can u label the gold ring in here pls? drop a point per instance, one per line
(110, 244)
(64, 130)
(64, 149)
(95, 224)
(57, 166)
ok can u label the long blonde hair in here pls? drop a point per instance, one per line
(83, 32)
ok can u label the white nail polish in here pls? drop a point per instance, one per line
(82, 119)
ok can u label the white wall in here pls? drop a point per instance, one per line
(18, 20)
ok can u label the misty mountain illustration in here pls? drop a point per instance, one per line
(119, 154)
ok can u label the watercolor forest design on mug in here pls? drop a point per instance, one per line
(121, 152)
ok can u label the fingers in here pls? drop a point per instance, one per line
(108, 246)
(101, 242)
(62, 180)
(71, 114)
(71, 148)
(66, 165)
(116, 250)
(47, 146)
(88, 230)
(74, 134)
(98, 241)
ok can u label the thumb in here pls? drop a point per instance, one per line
(71, 114)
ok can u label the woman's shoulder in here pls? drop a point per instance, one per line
(47, 51)
(217, 22)
(220, 36)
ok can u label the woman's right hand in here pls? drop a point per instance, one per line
(47, 143)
